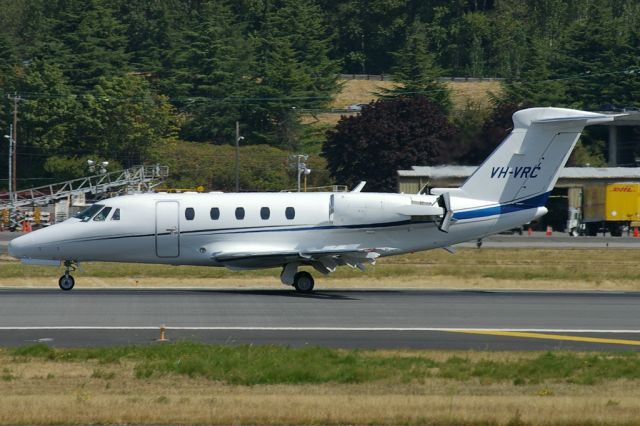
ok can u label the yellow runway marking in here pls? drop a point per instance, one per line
(550, 336)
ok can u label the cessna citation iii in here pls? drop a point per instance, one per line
(321, 230)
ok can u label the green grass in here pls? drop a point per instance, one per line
(253, 365)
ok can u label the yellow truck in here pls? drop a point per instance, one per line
(609, 207)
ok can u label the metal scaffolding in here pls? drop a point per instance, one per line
(134, 179)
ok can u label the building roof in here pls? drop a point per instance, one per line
(567, 172)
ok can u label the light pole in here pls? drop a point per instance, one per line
(302, 169)
(92, 166)
(238, 139)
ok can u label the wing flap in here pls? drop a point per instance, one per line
(325, 259)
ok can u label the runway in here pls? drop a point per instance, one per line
(433, 319)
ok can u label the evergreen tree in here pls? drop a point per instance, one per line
(367, 32)
(121, 118)
(416, 71)
(212, 73)
(47, 114)
(82, 37)
(96, 46)
(509, 48)
(599, 63)
(537, 84)
(8, 62)
(8, 56)
(294, 70)
(148, 33)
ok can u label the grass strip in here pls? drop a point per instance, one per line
(584, 265)
(257, 365)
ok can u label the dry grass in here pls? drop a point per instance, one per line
(49, 392)
(359, 92)
(549, 269)
(463, 93)
(473, 92)
(364, 91)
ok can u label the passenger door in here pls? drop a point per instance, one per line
(167, 229)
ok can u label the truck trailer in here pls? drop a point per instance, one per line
(611, 208)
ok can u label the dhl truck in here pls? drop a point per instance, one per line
(606, 208)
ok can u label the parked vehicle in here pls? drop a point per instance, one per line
(357, 107)
(611, 208)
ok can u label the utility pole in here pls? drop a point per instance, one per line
(14, 140)
(9, 165)
(238, 139)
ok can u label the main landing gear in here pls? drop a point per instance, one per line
(302, 281)
(66, 282)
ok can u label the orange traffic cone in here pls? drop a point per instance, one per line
(549, 231)
(636, 234)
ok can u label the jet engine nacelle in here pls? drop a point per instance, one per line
(358, 208)
(361, 207)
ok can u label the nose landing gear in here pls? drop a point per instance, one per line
(66, 282)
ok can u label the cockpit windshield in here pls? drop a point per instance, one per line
(102, 216)
(86, 214)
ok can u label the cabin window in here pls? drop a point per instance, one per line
(239, 213)
(265, 213)
(86, 214)
(102, 216)
(116, 215)
(290, 213)
(189, 213)
(214, 213)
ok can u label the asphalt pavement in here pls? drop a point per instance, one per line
(434, 319)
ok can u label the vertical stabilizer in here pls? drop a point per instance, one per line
(527, 163)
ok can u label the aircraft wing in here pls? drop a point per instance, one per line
(325, 259)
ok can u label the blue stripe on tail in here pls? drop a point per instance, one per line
(529, 203)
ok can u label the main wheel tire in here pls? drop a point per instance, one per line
(303, 282)
(615, 230)
(66, 282)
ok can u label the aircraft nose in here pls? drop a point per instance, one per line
(22, 246)
(17, 246)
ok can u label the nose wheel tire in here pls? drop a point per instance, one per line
(303, 282)
(66, 282)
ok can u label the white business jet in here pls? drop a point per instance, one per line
(321, 230)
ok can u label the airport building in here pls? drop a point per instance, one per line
(623, 148)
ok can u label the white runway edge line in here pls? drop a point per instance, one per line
(187, 328)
